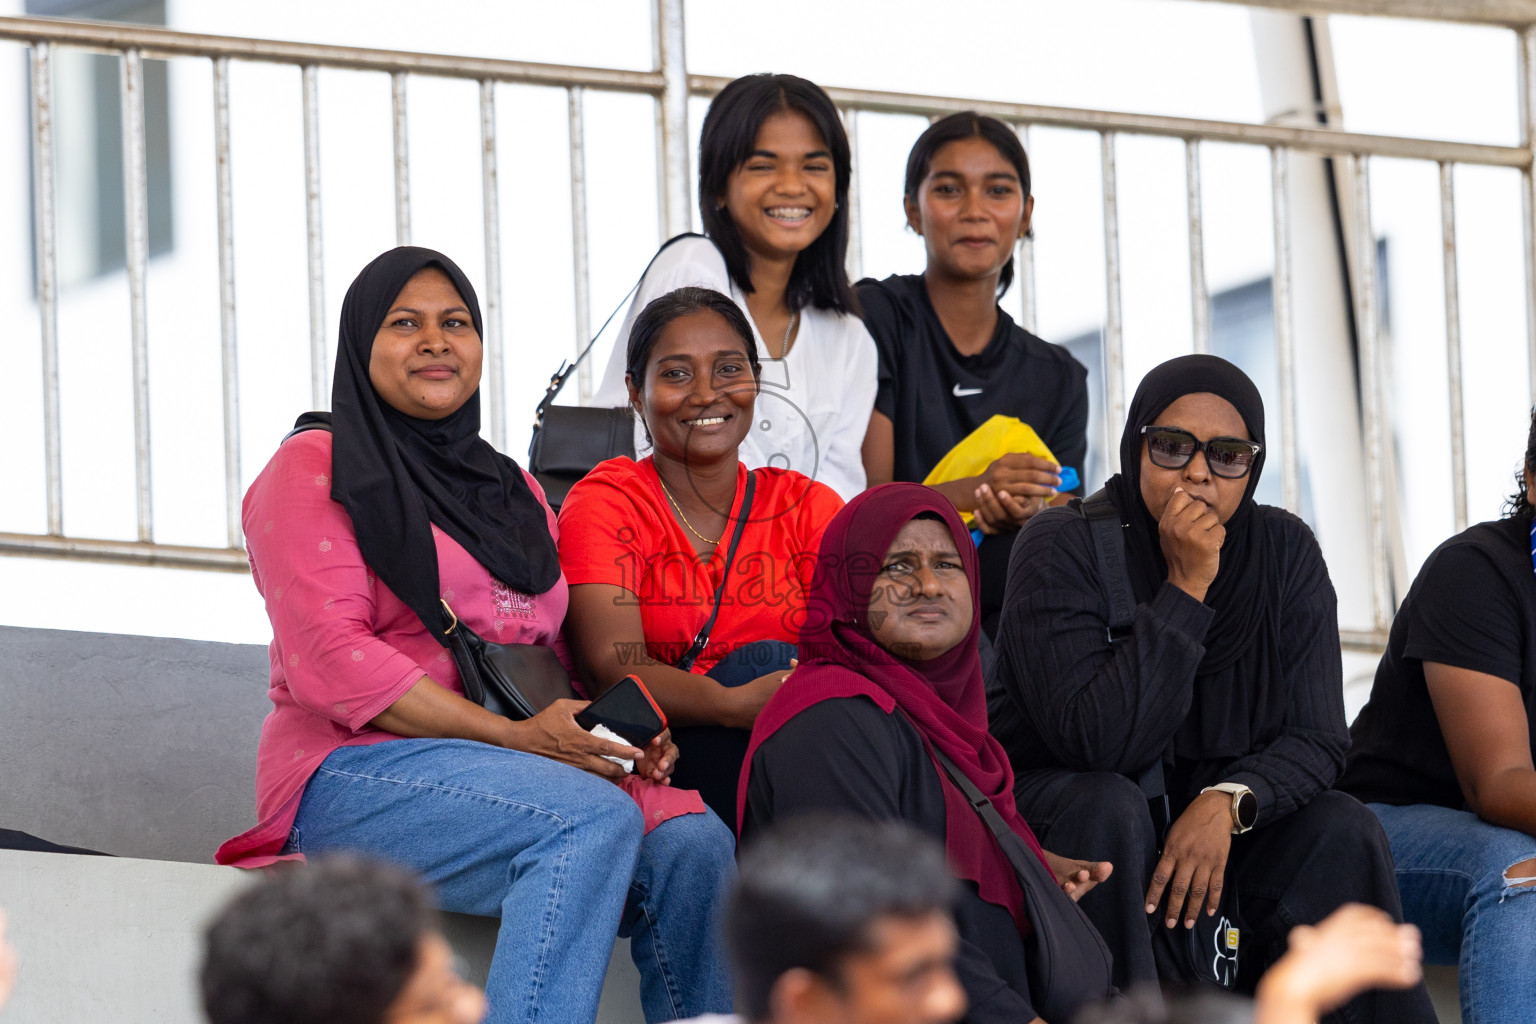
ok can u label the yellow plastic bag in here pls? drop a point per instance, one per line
(983, 446)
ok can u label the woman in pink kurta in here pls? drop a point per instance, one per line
(359, 534)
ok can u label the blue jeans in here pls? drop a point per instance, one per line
(1450, 870)
(556, 853)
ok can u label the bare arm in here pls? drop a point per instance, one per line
(879, 450)
(608, 643)
(1487, 733)
(427, 709)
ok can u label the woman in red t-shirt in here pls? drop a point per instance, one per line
(644, 545)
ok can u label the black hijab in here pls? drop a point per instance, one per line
(1239, 679)
(396, 475)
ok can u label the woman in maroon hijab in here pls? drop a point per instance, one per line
(889, 675)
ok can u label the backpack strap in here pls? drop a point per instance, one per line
(1109, 549)
(1108, 535)
(1007, 839)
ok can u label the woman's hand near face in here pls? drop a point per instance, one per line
(1194, 860)
(555, 734)
(1191, 535)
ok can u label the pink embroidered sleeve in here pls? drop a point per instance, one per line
(319, 593)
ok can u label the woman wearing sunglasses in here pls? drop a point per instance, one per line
(1442, 753)
(1195, 746)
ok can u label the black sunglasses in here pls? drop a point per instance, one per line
(1173, 447)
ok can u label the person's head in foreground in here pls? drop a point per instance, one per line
(340, 941)
(843, 920)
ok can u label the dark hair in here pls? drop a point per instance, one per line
(737, 113)
(967, 124)
(332, 942)
(1518, 506)
(675, 305)
(811, 889)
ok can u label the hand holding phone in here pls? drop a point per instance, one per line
(628, 712)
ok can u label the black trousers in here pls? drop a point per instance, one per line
(710, 756)
(1293, 871)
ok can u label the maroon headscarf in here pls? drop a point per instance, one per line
(941, 697)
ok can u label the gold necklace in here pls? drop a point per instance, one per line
(684, 518)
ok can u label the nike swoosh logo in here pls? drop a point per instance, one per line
(960, 392)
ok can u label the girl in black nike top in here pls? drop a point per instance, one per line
(950, 358)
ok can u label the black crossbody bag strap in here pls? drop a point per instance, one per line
(1068, 963)
(1007, 838)
(566, 369)
(701, 640)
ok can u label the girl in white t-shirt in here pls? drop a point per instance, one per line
(774, 170)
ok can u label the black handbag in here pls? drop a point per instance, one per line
(514, 680)
(1206, 954)
(568, 440)
(1069, 965)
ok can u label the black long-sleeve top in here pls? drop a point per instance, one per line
(1063, 696)
(846, 754)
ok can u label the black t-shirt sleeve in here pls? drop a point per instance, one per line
(880, 319)
(1465, 615)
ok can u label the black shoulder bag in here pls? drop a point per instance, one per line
(514, 680)
(1207, 953)
(1068, 963)
(701, 639)
(568, 440)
